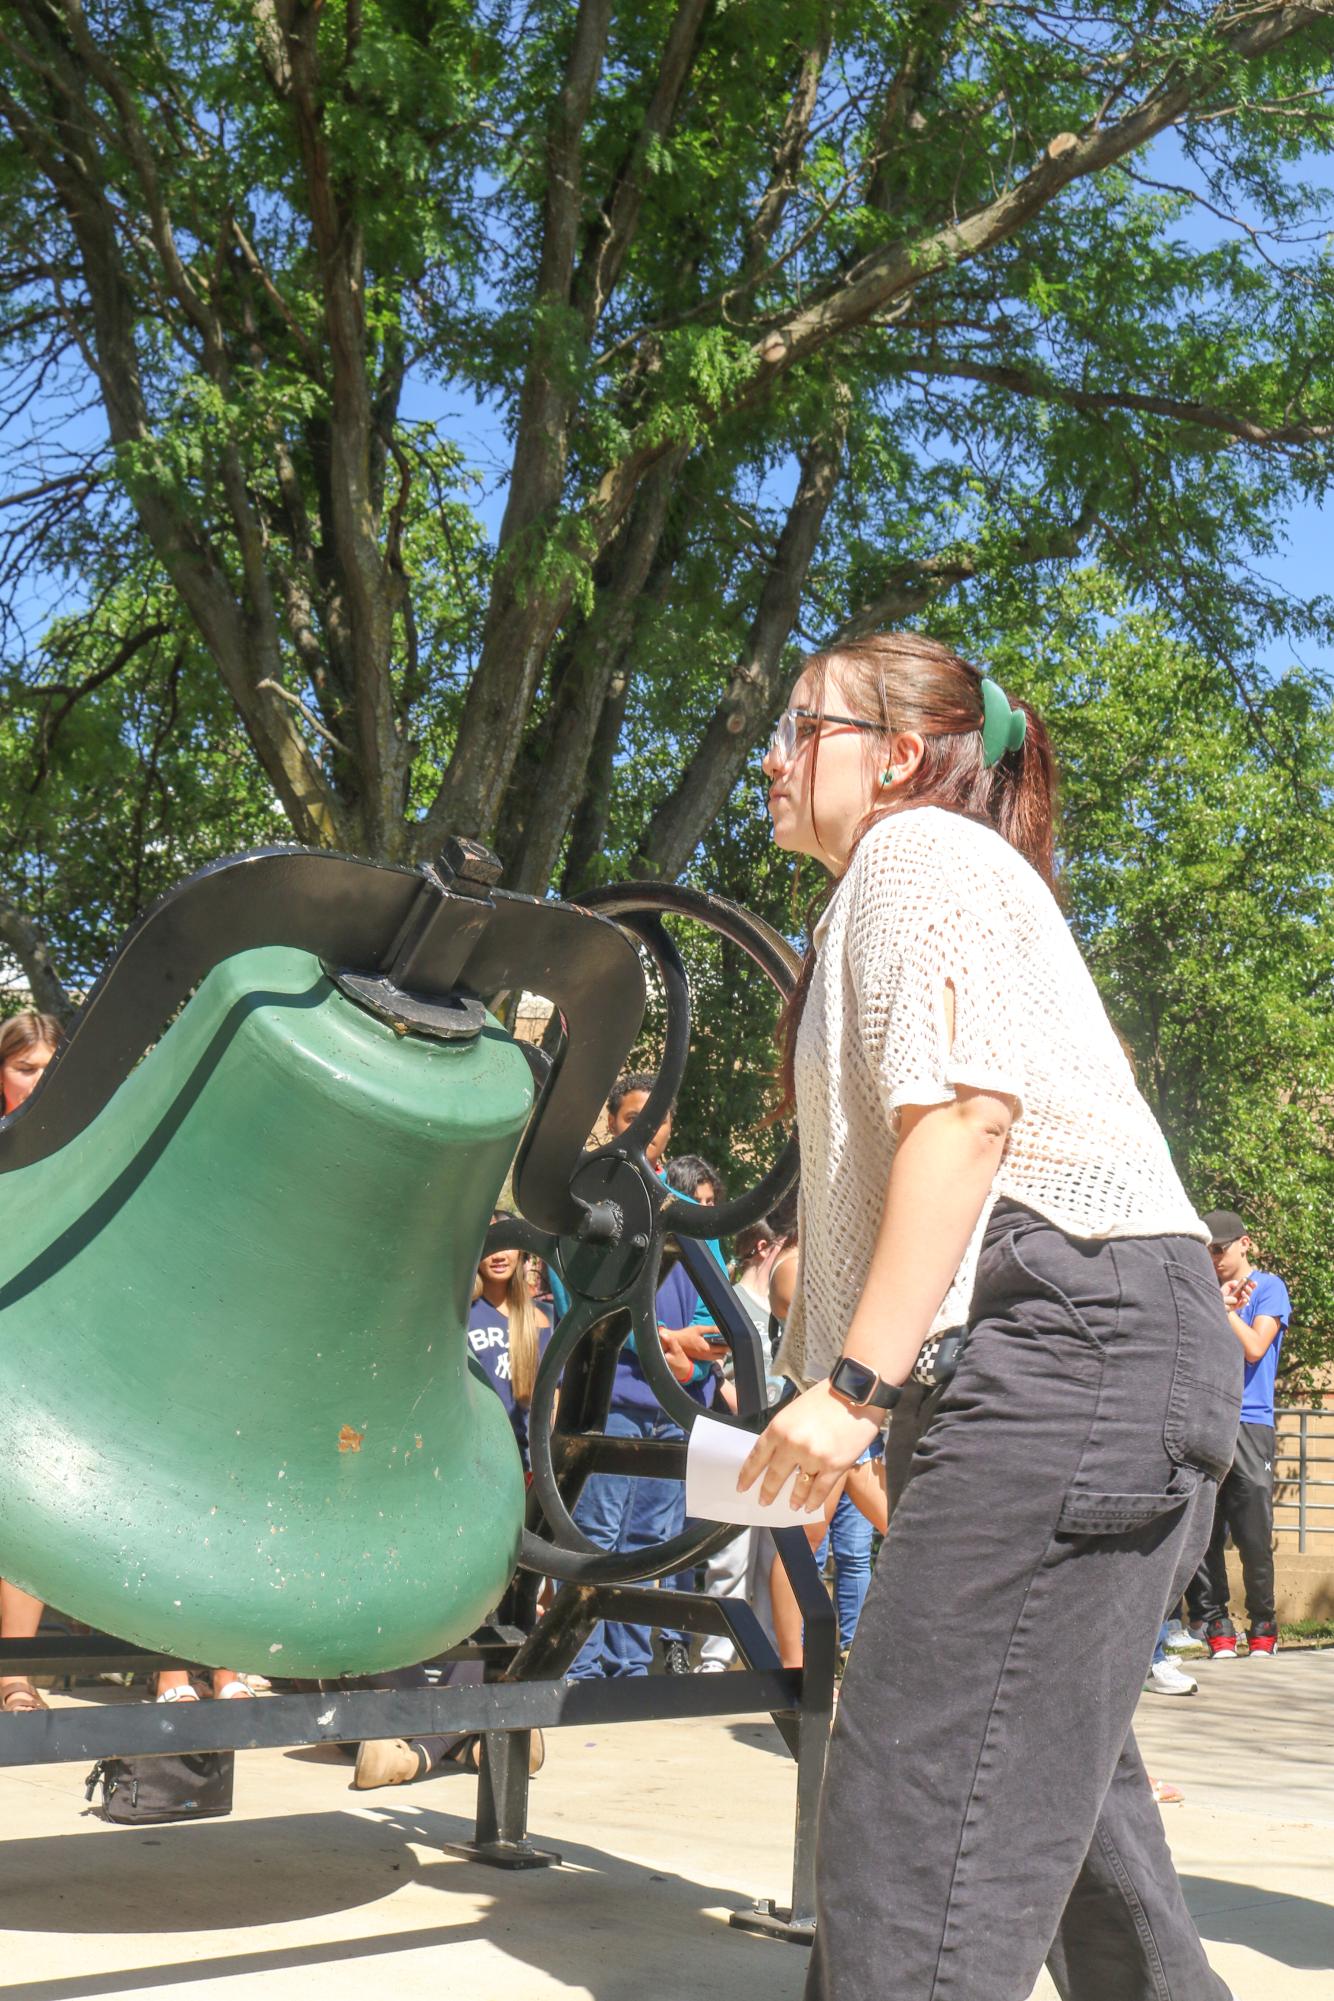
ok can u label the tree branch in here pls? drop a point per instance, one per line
(68, 694)
(753, 692)
(597, 652)
(609, 247)
(365, 604)
(71, 164)
(918, 584)
(25, 941)
(286, 695)
(522, 617)
(1208, 416)
(880, 278)
(788, 153)
(882, 283)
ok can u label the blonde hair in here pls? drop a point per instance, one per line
(524, 1325)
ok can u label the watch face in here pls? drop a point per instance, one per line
(853, 1379)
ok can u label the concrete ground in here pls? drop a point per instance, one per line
(311, 1890)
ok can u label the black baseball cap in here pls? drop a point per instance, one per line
(1224, 1226)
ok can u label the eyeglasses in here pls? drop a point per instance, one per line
(789, 734)
(1215, 1250)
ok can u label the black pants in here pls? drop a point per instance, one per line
(1246, 1507)
(985, 1807)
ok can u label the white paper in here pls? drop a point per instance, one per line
(714, 1457)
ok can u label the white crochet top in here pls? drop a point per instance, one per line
(932, 899)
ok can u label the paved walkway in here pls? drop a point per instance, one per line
(310, 1890)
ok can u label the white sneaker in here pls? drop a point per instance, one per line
(1166, 1678)
(1180, 1639)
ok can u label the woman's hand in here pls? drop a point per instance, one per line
(816, 1433)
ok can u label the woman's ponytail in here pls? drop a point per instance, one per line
(1022, 805)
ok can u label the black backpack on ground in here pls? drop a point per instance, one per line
(144, 1792)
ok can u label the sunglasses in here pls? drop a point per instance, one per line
(796, 727)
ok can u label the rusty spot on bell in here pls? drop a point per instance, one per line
(350, 1440)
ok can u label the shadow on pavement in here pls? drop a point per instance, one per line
(214, 1876)
(585, 1924)
(762, 1736)
(1295, 1931)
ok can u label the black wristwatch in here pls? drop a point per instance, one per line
(860, 1387)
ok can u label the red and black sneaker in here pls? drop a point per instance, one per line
(1222, 1646)
(1262, 1643)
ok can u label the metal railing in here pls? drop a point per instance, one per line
(1303, 1463)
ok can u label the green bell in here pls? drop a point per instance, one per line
(240, 1421)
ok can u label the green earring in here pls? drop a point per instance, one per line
(887, 776)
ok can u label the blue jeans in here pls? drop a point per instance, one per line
(850, 1534)
(1160, 1651)
(619, 1512)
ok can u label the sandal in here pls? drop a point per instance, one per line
(20, 1698)
(182, 1692)
(1165, 1793)
(234, 1691)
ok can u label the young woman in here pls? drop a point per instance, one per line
(756, 1250)
(974, 1152)
(28, 1041)
(507, 1331)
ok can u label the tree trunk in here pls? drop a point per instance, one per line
(596, 656)
(588, 835)
(22, 937)
(753, 694)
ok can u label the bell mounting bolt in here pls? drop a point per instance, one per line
(467, 867)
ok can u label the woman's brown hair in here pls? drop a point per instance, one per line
(905, 681)
(524, 1320)
(27, 1030)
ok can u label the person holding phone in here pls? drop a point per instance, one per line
(975, 1155)
(1258, 1310)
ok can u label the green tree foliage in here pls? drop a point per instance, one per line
(120, 771)
(793, 318)
(1199, 859)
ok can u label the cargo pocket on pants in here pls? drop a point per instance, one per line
(1088, 1513)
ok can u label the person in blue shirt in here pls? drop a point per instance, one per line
(507, 1332)
(1258, 1309)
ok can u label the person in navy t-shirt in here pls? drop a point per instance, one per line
(1259, 1309)
(507, 1333)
